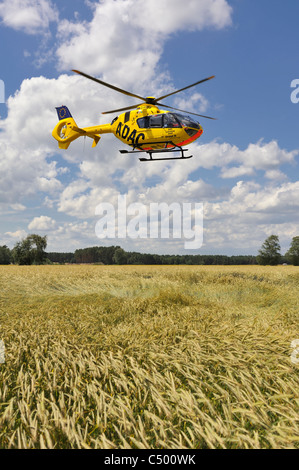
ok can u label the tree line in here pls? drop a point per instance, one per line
(31, 250)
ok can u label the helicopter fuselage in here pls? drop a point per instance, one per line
(147, 127)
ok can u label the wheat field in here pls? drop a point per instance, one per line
(157, 357)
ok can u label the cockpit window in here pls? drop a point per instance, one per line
(186, 121)
(168, 120)
(143, 122)
(151, 121)
(156, 120)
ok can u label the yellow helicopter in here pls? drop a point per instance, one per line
(143, 127)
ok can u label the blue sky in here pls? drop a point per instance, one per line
(245, 165)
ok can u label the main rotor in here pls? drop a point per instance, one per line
(151, 100)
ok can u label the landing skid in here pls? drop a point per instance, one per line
(176, 148)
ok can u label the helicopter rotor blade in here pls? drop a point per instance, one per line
(182, 111)
(120, 109)
(120, 90)
(185, 88)
(153, 101)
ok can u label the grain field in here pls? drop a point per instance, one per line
(158, 357)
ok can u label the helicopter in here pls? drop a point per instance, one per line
(144, 127)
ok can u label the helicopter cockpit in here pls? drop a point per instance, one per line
(168, 120)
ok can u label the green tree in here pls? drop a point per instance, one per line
(31, 250)
(292, 255)
(5, 255)
(120, 256)
(270, 251)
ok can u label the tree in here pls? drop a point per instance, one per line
(30, 250)
(270, 251)
(120, 256)
(292, 255)
(5, 255)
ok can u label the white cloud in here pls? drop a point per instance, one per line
(17, 234)
(175, 15)
(275, 175)
(196, 103)
(69, 236)
(48, 185)
(236, 172)
(249, 202)
(42, 223)
(30, 16)
(259, 156)
(22, 174)
(125, 38)
(80, 198)
(18, 207)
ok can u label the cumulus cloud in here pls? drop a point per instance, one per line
(275, 175)
(69, 236)
(42, 223)
(248, 200)
(264, 156)
(196, 103)
(17, 234)
(29, 16)
(175, 15)
(125, 38)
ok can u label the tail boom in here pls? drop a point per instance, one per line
(66, 130)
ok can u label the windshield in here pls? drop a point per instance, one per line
(167, 120)
(186, 121)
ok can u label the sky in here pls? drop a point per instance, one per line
(244, 170)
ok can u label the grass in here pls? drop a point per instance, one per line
(149, 357)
